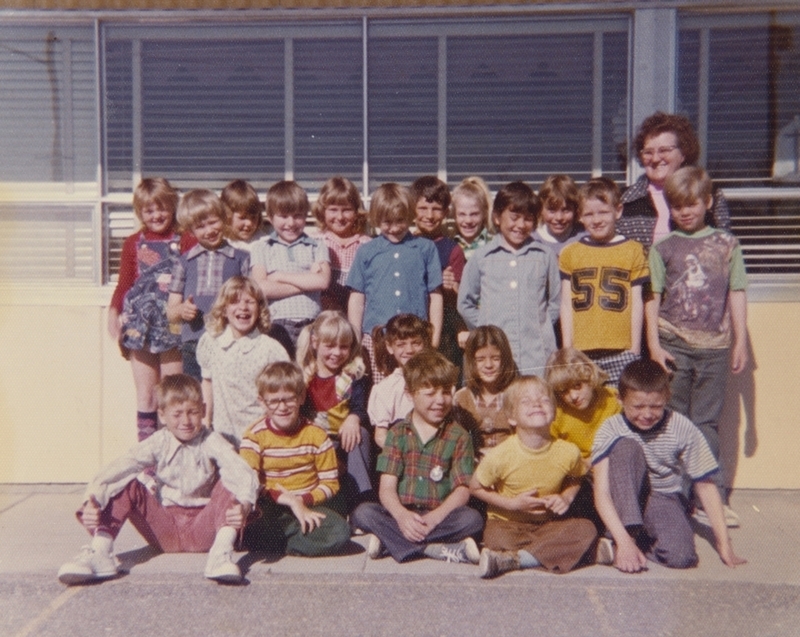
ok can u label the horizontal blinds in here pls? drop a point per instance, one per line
(46, 243)
(48, 116)
(750, 101)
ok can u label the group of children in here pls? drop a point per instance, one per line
(554, 457)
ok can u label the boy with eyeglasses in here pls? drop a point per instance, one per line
(296, 465)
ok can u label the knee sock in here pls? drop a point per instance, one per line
(146, 424)
(223, 542)
(102, 542)
(527, 560)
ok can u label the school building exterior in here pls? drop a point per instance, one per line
(96, 94)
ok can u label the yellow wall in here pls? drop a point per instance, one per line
(67, 401)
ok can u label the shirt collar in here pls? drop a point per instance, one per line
(498, 243)
(654, 429)
(337, 240)
(246, 342)
(175, 444)
(303, 238)
(225, 248)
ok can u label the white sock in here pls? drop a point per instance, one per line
(224, 540)
(102, 542)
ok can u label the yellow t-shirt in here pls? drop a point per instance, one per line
(601, 277)
(511, 468)
(579, 427)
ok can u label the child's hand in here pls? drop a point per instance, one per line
(315, 268)
(413, 526)
(90, 514)
(350, 433)
(528, 502)
(236, 515)
(308, 519)
(738, 357)
(114, 324)
(628, 558)
(557, 503)
(663, 358)
(188, 309)
(728, 557)
(449, 279)
(462, 339)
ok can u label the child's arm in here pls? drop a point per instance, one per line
(738, 303)
(180, 310)
(651, 310)
(458, 498)
(355, 310)
(559, 503)
(272, 288)
(411, 524)
(566, 313)
(469, 294)
(529, 501)
(380, 436)
(628, 558)
(308, 519)
(709, 497)
(436, 315)
(114, 327)
(637, 319)
(316, 278)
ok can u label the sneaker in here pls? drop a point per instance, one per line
(464, 552)
(494, 563)
(375, 549)
(605, 552)
(731, 517)
(221, 568)
(88, 566)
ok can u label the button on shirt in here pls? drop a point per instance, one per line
(395, 278)
(517, 290)
(274, 255)
(185, 471)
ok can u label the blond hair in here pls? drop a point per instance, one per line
(230, 292)
(518, 387)
(196, 206)
(281, 375)
(330, 326)
(568, 367)
(686, 186)
(475, 189)
(178, 388)
(392, 203)
(155, 190)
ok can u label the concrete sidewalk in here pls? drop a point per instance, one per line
(38, 532)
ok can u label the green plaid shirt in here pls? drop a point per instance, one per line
(427, 473)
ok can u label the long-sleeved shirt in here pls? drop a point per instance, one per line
(185, 472)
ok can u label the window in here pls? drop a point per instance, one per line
(738, 83)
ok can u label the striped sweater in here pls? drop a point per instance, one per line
(302, 461)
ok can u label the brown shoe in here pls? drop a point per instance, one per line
(494, 563)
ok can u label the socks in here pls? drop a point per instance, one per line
(146, 424)
(224, 540)
(102, 543)
(526, 560)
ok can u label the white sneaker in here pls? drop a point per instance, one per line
(605, 551)
(375, 548)
(221, 568)
(731, 517)
(463, 552)
(88, 566)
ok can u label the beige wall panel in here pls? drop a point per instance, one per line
(118, 403)
(50, 383)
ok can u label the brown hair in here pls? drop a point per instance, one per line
(560, 191)
(644, 375)
(686, 186)
(678, 125)
(239, 196)
(338, 191)
(155, 190)
(399, 327)
(433, 190)
(196, 206)
(517, 197)
(178, 388)
(281, 375)
(391, 203)
(287, 197)
(488, 336)
(429, 369)
(603, 189)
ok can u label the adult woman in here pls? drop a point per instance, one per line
(663, 143)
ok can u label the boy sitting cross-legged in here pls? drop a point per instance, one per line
(297, 467)
(529, 481)
(425, 468)
(204, 492)
(640, 458)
